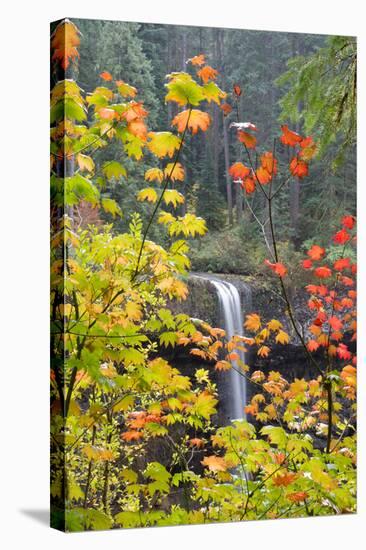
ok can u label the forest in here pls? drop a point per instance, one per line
(203, 275)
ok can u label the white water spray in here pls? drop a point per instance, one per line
(230, 306)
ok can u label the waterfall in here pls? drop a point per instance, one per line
(232, 320)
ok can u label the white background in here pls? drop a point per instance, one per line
(24, 231)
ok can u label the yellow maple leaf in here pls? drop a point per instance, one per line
(174, 171)
(274, 325)
(154, 174)
(147, 194)
(163, 143)
(282, 337)
(298, 386)
(171, 196)
(253, 322)
(133, 311)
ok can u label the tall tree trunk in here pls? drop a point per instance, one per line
(229, 195)
(229, 192)
(215, 113)
(184, 186)
(169, 31)
(294, 196)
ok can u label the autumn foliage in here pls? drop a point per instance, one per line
(115, 395)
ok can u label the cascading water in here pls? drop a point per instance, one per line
(232, 318)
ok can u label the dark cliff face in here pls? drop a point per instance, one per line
(202, 301)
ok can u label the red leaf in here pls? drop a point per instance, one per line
(307, 264)
(335, 323)
(323, 272)
(342, 263)
(312, 345)
(347, 281)
(341, 237)
(289, 137)
(348, 221)
(277, 268)
(347, 303)
(343, 352)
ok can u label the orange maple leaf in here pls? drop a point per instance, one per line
(263, 176)
(207, 73)
(246, 138)
(215, 463)
(64, 42)
(253, 322)
(135, 109)
(299, 168)
(137, 128)
(285, 479)
(107, 114)
(263, 351)
(197, 60)
(239, 170)
(248, 184)
(195, 120)
(269, 163)
(289, 137)
(106, 76)
(223, 365)
(132, 435)
(316, 252)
